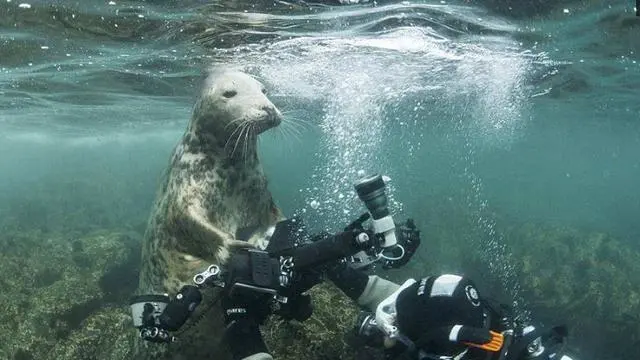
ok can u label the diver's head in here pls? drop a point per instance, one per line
(444, 317)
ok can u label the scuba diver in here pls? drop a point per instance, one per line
(437, 318)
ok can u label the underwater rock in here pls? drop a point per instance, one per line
(590, 281)
(106, 334)
(323, 336)
(52, 307)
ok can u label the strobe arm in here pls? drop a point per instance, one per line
(331, 248)
(157, 315)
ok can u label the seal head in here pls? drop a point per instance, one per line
(233, 108)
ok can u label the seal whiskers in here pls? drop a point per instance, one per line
(238, 135)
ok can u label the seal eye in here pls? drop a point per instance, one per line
(264, 91)
(230, 93)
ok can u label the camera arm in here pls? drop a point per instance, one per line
(158, 315)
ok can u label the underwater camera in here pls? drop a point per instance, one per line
(383, 241)
(292, 262)
(394, 250)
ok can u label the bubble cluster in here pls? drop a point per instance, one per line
(377, 90)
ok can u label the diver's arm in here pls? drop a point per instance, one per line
(367, 291)
(377, 289)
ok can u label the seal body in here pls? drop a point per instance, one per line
(214, 187)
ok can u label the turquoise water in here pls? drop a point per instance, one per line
(492, 117)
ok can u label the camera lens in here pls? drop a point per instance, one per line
(371, 190)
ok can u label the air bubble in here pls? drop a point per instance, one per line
(315, 204)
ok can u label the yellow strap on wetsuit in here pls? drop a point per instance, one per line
(495, 344)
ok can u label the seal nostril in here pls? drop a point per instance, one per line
(269, 110)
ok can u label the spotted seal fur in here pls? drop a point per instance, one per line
(214, 187)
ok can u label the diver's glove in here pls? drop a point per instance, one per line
(298, 307)
(249, 308)
(352, 282)
(243, 304)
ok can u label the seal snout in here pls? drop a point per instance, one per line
(270, 117)
(274, 117)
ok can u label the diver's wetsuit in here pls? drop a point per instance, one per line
(368, 292)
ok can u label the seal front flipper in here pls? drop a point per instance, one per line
(247, 232)
(211, 240)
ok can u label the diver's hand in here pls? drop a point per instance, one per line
(350, 281)
(298, 307)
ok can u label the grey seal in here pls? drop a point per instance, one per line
(214, 187)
